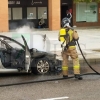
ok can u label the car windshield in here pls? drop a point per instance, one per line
(8, 41)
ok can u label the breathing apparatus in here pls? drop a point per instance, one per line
(66, 35)
(62, 38)
(66, 39)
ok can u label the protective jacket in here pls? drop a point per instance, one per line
(68, 37)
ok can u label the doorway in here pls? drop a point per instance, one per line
(63, 11)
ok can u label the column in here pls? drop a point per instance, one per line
(3, 15)
(54, 14)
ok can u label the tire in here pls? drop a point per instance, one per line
(40, 66)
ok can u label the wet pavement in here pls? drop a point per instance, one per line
(86, 89)
(21, 78)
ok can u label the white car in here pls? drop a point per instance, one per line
(24, 59)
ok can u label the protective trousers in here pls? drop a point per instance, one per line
(71, 51)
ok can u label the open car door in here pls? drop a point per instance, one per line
(27, 56)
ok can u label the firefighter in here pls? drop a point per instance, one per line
(68, 38)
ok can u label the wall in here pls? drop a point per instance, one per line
(54, 14)
(3, 15)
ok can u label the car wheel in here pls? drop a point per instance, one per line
(42, 66)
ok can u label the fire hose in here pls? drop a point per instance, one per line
(30, 82)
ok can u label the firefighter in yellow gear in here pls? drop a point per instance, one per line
(68, 37)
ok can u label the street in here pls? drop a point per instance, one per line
(86, 89)
(71, 89)
(44, 41)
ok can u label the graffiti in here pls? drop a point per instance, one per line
(13, 2)
(39, 2)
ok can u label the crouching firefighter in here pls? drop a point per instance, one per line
(68, 38)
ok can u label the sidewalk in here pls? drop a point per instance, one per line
(89, 40)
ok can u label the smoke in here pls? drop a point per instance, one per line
(22, 23)
(34, 40)
(24, 29)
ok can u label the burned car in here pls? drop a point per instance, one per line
(24, 59)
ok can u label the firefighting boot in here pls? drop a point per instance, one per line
(78, 76)
(65, 71)
(65, 74)
(77, 71)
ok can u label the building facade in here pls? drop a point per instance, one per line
(16, 13)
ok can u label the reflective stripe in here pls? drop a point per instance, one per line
(64, 68)
(72, 47)
(76, 67)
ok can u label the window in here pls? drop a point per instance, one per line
(86, 12)
(17, 13)
(31, 13)
(42, 12)
(9, 13)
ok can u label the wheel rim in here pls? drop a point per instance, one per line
(42, 66)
